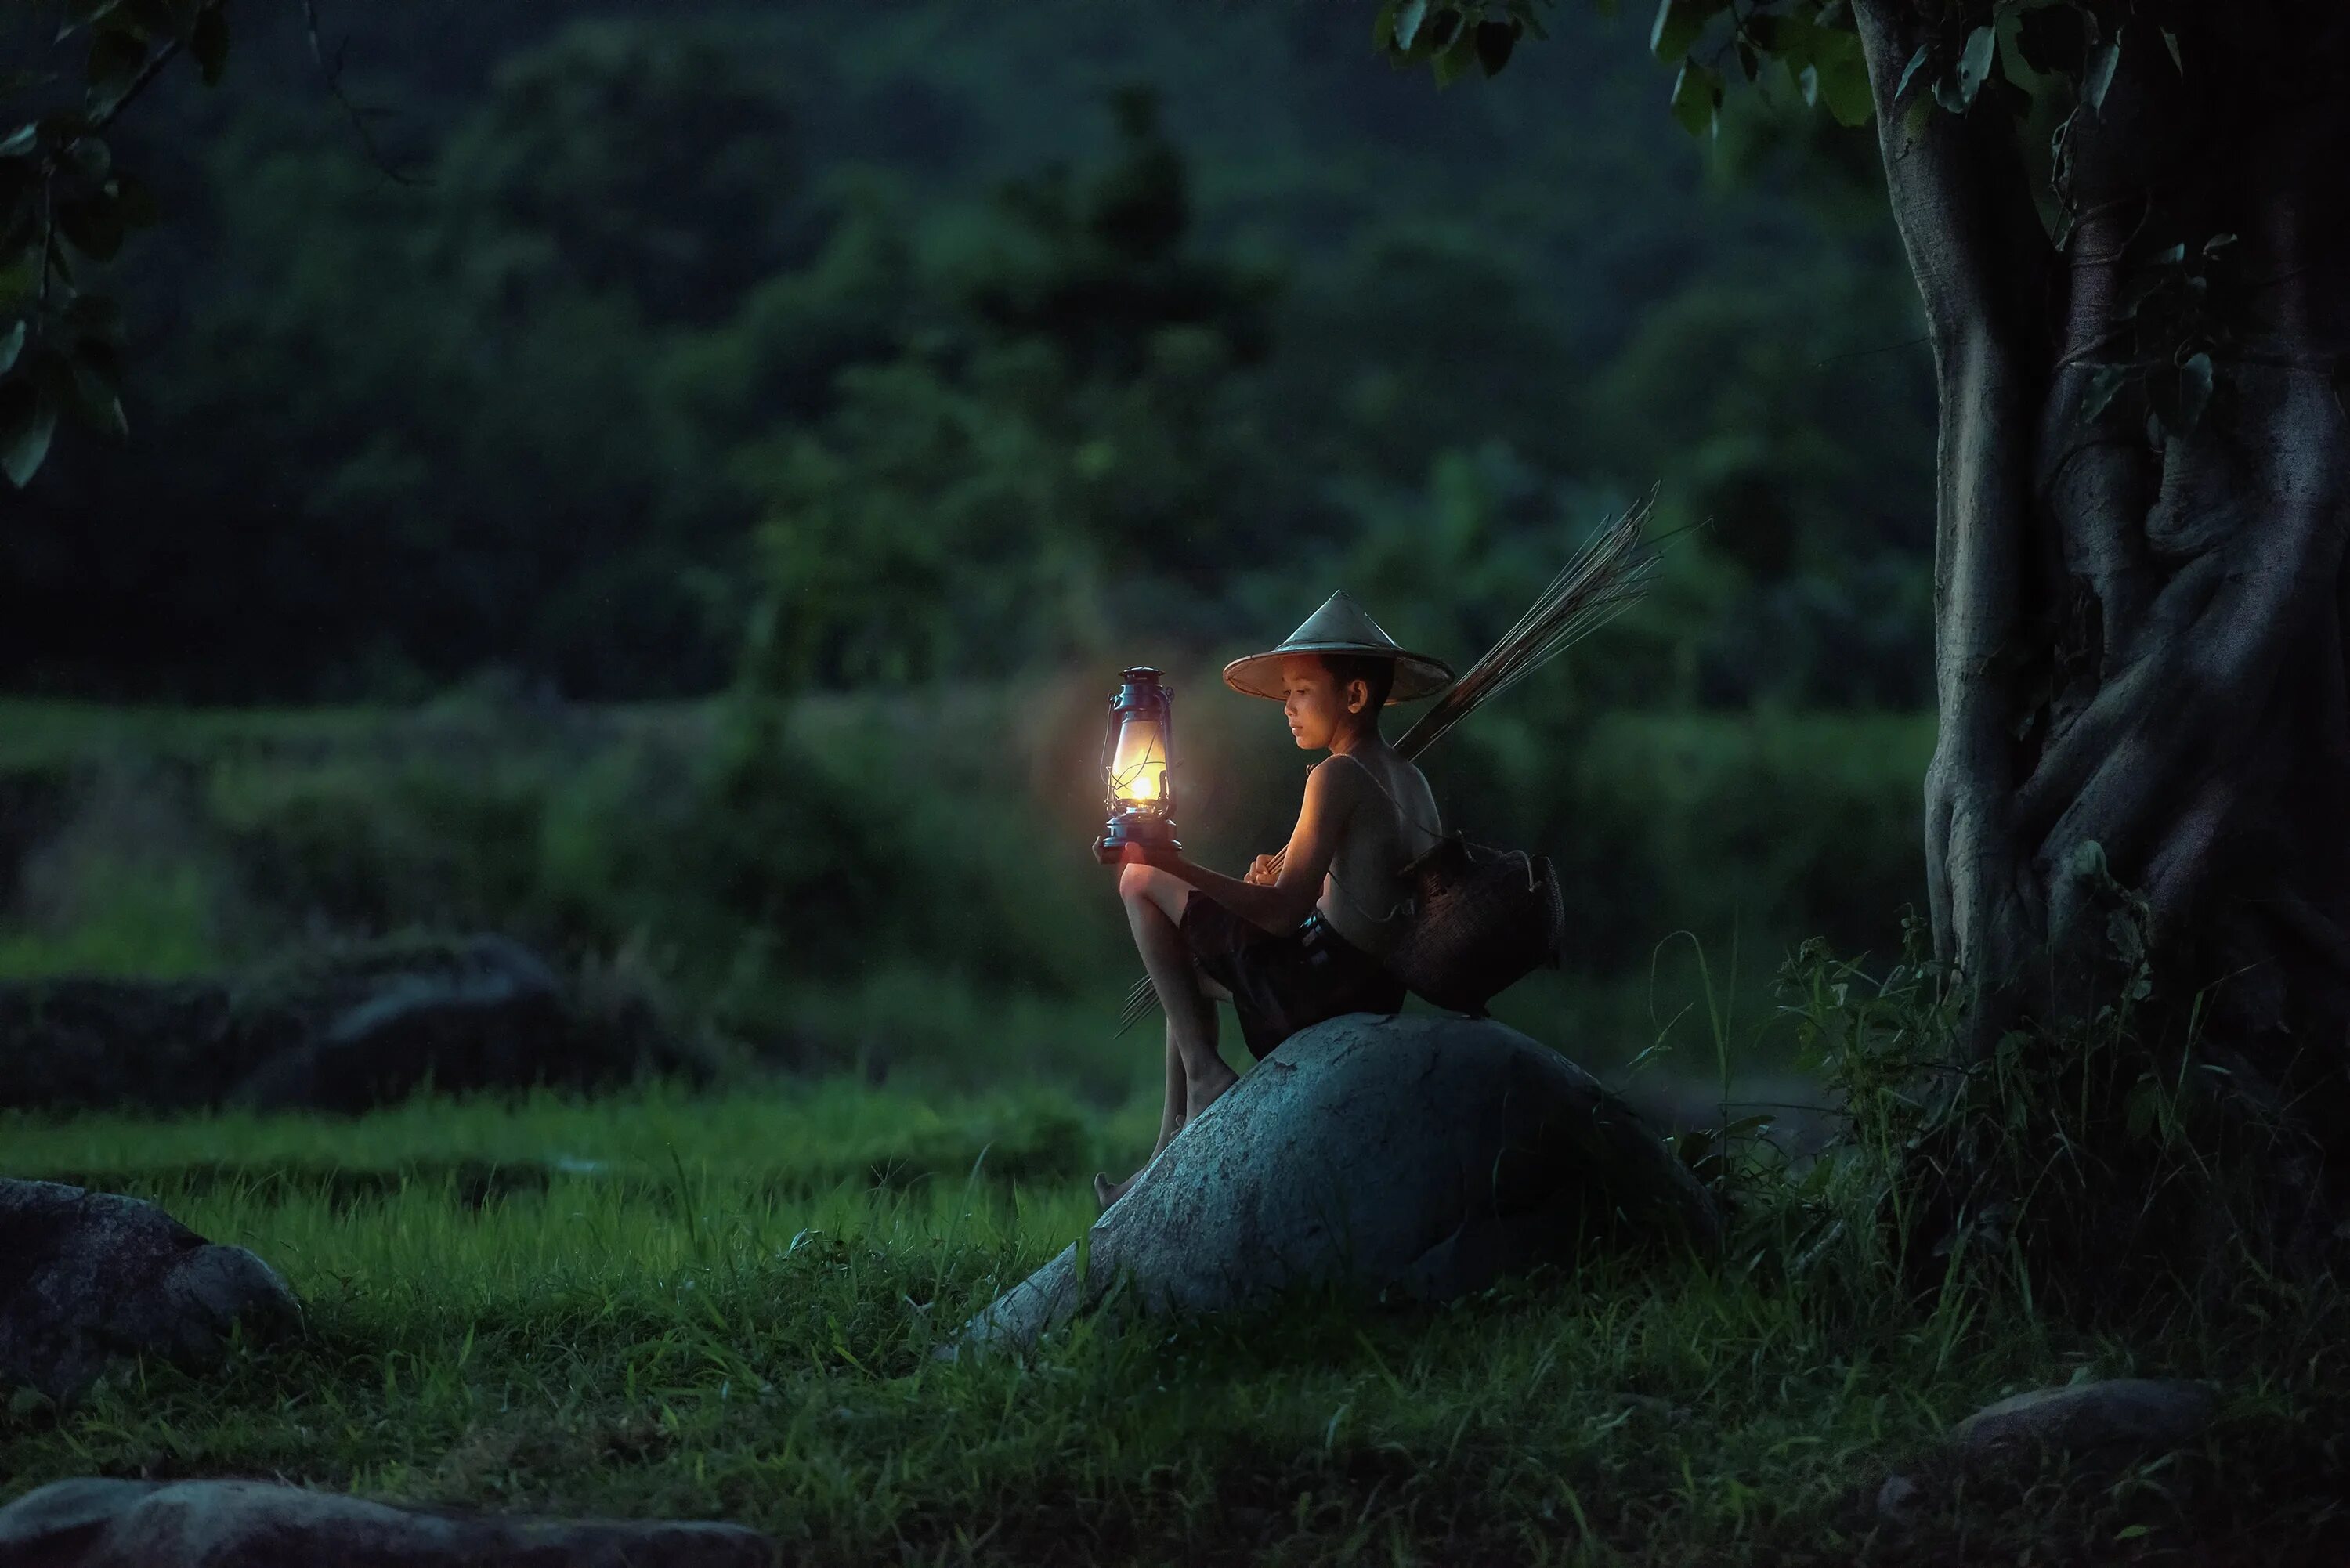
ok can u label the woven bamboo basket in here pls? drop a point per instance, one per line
(1484, 917)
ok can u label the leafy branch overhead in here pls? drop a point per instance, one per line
(2046, 66)
(1813, 40)
(65, 207)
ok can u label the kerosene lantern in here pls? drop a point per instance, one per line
(1138, 754)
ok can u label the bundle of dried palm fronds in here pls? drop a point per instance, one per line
(1606, 576)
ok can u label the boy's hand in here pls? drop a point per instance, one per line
(1261, 872)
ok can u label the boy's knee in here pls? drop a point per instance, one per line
(1134, 883)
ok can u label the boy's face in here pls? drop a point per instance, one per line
(1316, 707)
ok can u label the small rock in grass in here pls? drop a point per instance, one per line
(2111, 1423)
(103, 1523)
(2096, 1428)
(88, 1276)
(1424, 1156)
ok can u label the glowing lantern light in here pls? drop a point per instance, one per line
(1137, 757)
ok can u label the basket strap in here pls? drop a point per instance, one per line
(1406, 907)
(1364, 769)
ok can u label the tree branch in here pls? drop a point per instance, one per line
(139, 84)
(1981, 264)
(333, 77)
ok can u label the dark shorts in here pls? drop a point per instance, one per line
(1281, 984)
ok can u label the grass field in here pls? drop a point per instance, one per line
(662, 1305)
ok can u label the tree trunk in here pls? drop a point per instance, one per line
(2140, 642)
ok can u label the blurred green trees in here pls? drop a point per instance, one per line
(920, 348)
(1075, 429)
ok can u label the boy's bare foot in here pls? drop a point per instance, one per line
(1198, 1093)
(1106, 1191)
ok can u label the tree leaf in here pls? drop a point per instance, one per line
(1496, 40)
(2164, 416)
(1383, 24)
(81, 14)
(2170, 42)
(2103, 60)
(1913, 118)
(92, 157)
(1443, 29)
(2194, 391)
(1407, 20)
(1458, 55)
(28, 418)
(208, 42)
(1697, 97)
(1843, 78)
(114, 59)
(1750, 64)
(11, 343)
(1787, 38)
(2218, 242)
(1917, 63)
(20, 277)
(1974, 62)
(96, 389)
(1680, 23)
(1807, 82)
(2105, 384)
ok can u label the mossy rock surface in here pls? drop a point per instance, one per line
(1424, 1156)
(87, 1277)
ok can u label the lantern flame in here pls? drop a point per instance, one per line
(1139, 773)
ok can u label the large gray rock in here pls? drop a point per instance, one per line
(87, 1277)
(100, 1523)
(1426, 1154)
(341, 1030)
(472, 1015)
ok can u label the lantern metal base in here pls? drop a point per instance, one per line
(1134, 827)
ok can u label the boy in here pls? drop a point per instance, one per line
(1294, 947)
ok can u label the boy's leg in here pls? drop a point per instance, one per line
(1170, 1114)
(1196, 1071)
(1154, 908)
(1171, 1122)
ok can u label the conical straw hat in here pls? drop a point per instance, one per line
(1340, 625)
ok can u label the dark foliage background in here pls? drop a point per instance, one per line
(961, 339)
(667, 481)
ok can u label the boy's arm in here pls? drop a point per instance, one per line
(1278, 906)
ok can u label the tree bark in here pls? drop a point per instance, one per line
(2140, 643)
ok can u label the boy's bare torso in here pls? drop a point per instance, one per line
(1393, 818)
